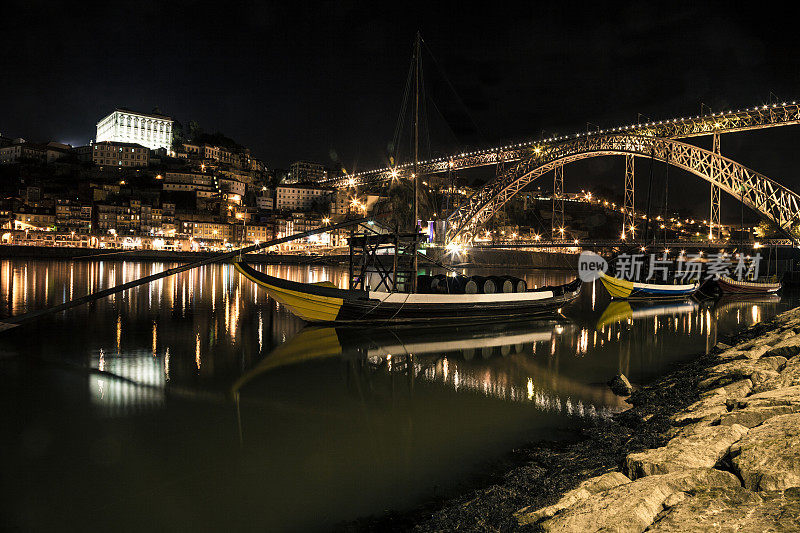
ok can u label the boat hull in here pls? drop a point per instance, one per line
(622, 289)
(324, 304)
(732, 286)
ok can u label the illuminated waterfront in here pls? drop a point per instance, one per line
(197, 402)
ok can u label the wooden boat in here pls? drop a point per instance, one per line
(623, 289)
(733, 286)
(325, 303)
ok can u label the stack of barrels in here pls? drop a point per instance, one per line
(442, 284)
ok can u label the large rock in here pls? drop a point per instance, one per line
(712, 407)
(768, 457)
(702, 449)
(584, 490)
(754, 416)
(737, 389)
(620, 385)
(730, 510)
(754, 410)
(785, 396)
(632, 507)
(788, 377)
(727, 373)
(787, 348)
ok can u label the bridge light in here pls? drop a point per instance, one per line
(576, 241)
(537, 237)
(644, 249)
(757, 245)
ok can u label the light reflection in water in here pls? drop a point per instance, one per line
(387, 403)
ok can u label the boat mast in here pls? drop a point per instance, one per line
(416, 160)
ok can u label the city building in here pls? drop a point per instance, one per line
(297, 197)
(306, 172)
(265, 202)
(72, 215)
(23, 152)
(190, 181)
(120, 154)
(147, 129)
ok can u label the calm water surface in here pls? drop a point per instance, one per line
(198, 403)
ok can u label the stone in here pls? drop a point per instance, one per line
(710, 406)
(764, 380)
(692, 428)
(620, 385)
(790, 375)
(584, 490)
(757, 352)
(727, 373)
(785, 396)
(768, 457)
(787, 348)
(731, 509)
(736, 390)
(632, 507)
(703, 449)
(755, 416)
(721, 347)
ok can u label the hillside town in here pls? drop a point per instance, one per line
(140, 185)
(148, 183)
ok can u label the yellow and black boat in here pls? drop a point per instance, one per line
(623, 289)
(325, 303)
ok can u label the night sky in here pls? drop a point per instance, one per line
(324, 81)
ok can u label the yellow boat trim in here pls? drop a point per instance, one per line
(617, 288)
(310, 307)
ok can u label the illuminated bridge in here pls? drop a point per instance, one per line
(525, 162)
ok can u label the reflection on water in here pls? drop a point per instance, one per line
(200, 387)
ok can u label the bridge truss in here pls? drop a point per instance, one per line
(759, 117)
(526, 161)
(755, 190)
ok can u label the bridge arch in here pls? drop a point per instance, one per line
(772, 200)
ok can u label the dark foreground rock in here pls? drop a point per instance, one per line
(620, 385)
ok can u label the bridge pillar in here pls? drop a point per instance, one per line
(628, 216)
(557, 222)
(714, 231)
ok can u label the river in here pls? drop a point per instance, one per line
(198, 403)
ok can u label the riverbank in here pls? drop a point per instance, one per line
(713, 445)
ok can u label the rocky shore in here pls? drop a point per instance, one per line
(713, 446)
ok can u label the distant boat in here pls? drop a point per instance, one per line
(324, 303)
(623, 289)
(733, 286)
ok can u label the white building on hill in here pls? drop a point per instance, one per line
(146, 129)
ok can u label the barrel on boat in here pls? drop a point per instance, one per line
(503, 283)
(443, 284)
(480, 285)
(520, 285)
